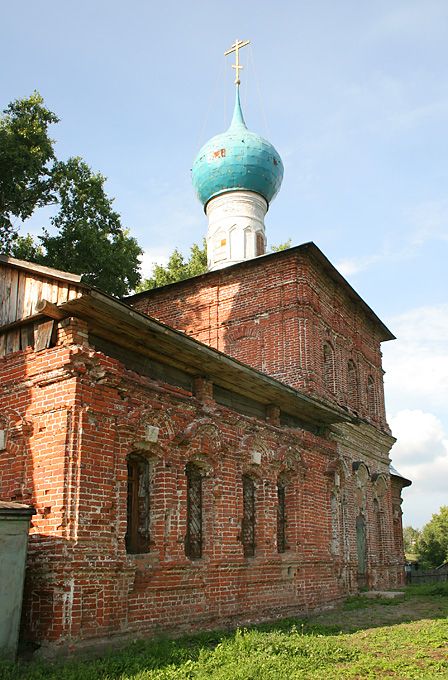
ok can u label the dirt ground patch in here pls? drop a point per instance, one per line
(360, 613)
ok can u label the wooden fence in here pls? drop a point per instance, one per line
(427, 576)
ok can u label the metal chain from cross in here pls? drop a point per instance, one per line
(237, 45)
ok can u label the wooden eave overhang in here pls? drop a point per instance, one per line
(116, 322)
(40, 270)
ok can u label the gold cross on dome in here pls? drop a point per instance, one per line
(237, 45)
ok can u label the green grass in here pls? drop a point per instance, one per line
(334, 645)
(427, 590)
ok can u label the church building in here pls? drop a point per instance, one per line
(213, 452)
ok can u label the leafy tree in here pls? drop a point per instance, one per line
(281, 246)
(410, 538)
(88, 239)
(26, 153)
(87, 236)
(432, 545)
(179, 269)
(26, 248)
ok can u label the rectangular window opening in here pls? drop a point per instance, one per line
(281, 518)
(137, 531)
(193, 539)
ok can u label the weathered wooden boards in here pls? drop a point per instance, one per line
(22, 287)
(36, 334)
(21, 290)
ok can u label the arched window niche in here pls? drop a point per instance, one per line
(353, 385)
(259, 244)
(329, 374)
(249, 243)
(372, 399)
(220, 247)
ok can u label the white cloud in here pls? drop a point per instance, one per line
(421, 454)
(428, 222)
(417, 364)
(411, 117)
(352, 266)
(416, 386)
(420, 439)
(152, 256)
(389, 254)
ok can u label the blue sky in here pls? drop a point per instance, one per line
(353, 95)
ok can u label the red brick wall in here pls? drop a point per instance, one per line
(37, 397)
(276, 314)
(397, 514)
(76, 414)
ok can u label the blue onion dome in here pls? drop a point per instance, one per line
(237, 160)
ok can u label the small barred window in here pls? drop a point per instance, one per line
(248, 526)
(281, 517)
(193, 539)
(138, 505)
